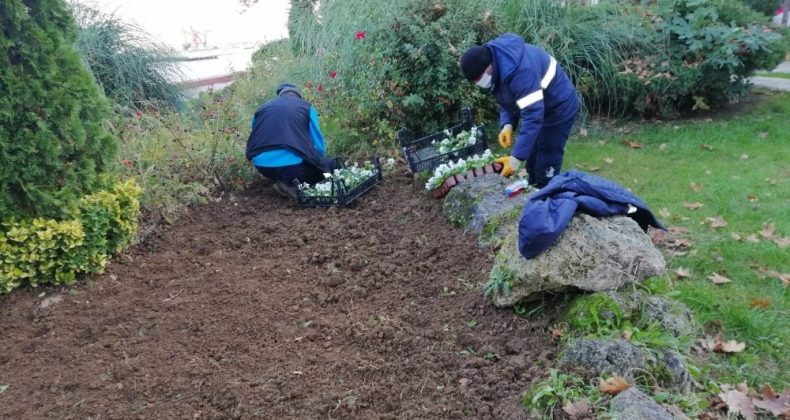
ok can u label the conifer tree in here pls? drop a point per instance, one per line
(53, 144)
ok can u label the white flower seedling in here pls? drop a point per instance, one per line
(446, 170)
(459, 141)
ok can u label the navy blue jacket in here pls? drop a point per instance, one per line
(284, 123)
(529, 85)
(550, 209)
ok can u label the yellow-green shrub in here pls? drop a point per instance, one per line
(47, 251)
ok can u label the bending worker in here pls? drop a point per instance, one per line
(530, 87)
(286, 142)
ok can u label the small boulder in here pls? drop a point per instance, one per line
(633, 404)
(673, 316)
(604, 357)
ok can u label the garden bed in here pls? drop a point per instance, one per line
(248, 307)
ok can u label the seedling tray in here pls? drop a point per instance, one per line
(341, 195)
(422, 155)
(449, 183)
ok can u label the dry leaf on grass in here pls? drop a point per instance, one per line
(760, 303)
(696, 187)
(744, 156)
(594, 168)
(683, 273)
(632, 144)
(693, 206)
(559, 330)
(719, 345)
(608, 160)
(735, 236)
(706, 147)
(583, 132)
(753, 239)
(768, 231)
(578, 409)
(716, 222)
(752, 198)
(762, 134)
(782, 242)
(658, 236)
(664, 213)
(614, 385)
(662, 147)
(717, 278)
(777, 405)
(738, 403)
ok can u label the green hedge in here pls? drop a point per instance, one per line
(47, 251)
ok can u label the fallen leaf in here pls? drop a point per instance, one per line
(716, 222)
(717, 278)
(744, 156)
(752, 239)
(679, 229)
(658, 236)
(594, 168)
(782, 242)
(627, 335)
(683, 273)
(735, 236)
(739, 403)
(729, 346)
(693, 206)
(696, 187)
(777, 405)
(664, 213)
(632, 144)
(662, 147)
(762, 134)
(602, 142)
(578, 409)
(3, 388)
(752, 198)
(559, 330)
(706, 147)
(768, 231)
(609, 160)
(583, 132)
(614, 385)
(761, 303)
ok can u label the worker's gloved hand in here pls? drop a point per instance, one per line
(506, 136)
(510, 165)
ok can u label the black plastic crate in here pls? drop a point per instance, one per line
(421, 155)
(340, 195)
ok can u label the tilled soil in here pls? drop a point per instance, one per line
(250, 307)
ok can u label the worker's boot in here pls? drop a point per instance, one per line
(286, 190)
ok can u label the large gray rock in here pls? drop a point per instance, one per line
(592, 254)
(633, 404)
(481, 206)
(605, 357)
(677, 376)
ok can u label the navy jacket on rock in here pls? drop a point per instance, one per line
(529, 85)
(549, 210)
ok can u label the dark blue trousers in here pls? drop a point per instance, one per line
(545, 160)
(304, 172)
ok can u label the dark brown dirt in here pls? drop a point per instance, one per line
(252, 308)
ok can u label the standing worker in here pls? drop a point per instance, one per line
(286, 142)
(530, 86)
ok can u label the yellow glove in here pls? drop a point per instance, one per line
(506, 136)
(510, 165)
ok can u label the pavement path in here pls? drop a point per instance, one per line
(774, 83)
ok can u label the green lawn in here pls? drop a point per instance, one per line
(737, 165)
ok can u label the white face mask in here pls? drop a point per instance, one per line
(485, 81)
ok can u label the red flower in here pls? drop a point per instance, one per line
(138, 114)
(320, 88)
(360, 34)
(333, 74)
(127, 163)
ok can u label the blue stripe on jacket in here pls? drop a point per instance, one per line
(276, 158)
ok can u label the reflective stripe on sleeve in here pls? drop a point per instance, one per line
(549, 76)
(530, 99)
